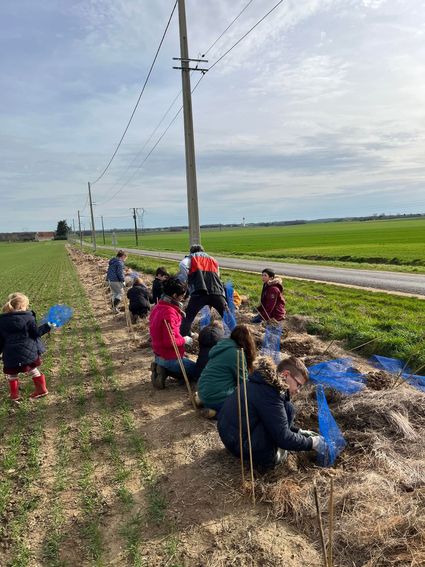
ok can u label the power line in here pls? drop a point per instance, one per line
(140, 96)
(168, 110)
(192, 90)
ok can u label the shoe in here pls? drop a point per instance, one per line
(208, 413)
(14, 390)
(198, 401)
(40, 387)
(158, 376)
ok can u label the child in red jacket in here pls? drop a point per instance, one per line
(272, 305)
(169, 310)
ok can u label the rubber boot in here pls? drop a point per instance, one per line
(115, 304)
(14, 390)
(158, 376)
(40, 387)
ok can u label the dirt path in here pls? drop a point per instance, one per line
(207, 521)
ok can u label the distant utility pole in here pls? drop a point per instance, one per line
(79, 230)
(135, 226)
(192, 190)
(103, 231)
(73, 226)
(93, 229)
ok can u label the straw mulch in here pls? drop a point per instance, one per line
(379, 480)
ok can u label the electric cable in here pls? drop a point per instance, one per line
(140, 96)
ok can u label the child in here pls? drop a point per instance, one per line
(116, 278)
(21, 345)
(161, 275)
(272, 300)
(271, 415)
(208, 337)
(138, 296)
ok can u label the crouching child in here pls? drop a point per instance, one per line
(138, 298)
(271, 415)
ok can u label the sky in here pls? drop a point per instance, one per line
(319, 112)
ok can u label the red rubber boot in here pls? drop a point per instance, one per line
(14, 390)
(40, 387)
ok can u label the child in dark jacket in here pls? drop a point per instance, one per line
(208, 337)
(161, 275)
(21, 345)
(271, 415)
(272, 305)
(138, 296)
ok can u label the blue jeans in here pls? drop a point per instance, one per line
(256, 319)
(174, 366)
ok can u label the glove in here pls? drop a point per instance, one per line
(307, 433)
(188, 341)
(52, 325)
(319, 444)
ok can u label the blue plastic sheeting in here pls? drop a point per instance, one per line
(271, 342)
(205, 317)
(337, 374)
(229, 323)
(228, 290)
(396, 366)
(329, 430)
(58, 314)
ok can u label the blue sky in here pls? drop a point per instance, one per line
(318, 113)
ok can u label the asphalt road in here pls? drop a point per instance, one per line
(394, 282)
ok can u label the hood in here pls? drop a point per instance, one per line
(275, 282)
(114, 261)
(222, 346)
(265, 373)
(16, 320)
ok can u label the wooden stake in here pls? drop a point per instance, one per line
(362, 345)
(331, 524)
(319, 521)
(182, 368)
(238, 391)
(128, 318)
(328, 347)
(248, 430)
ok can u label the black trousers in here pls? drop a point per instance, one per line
(196, 303)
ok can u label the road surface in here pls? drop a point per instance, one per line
(394, 282)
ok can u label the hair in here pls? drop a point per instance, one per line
(243, 338)
(173, 286)
(137, 281)
(16, 302)
(294, 366)
(269, 272)
(121, 254)
(161, 272)
(196, 248)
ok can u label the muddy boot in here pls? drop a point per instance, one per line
(40, 387)
(14, 390)
(158, 376)
(208, 413)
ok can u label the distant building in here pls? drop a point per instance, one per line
(45, 236)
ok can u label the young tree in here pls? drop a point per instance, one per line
(62, 230)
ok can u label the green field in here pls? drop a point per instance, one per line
(388, 243)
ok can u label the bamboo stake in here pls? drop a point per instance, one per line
(248, 430)
(331, 524)
(362, 345)
(238, 390)
(182, 368)
(328, 347)
(319, 521)
(398, 383)
(128, 318)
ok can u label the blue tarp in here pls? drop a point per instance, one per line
(329, 430)
(337, 374)
(398, 367)
(271, 342)
(58, 314)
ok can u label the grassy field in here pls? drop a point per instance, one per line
(69, 457)
(389, 243)
(396, 324)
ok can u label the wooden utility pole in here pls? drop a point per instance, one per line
(93, 230)
(103, 230)
(192, 190)
(79, 230)
(135, 226)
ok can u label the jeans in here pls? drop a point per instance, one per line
(116, 290)
(256, 319)
(174, 366)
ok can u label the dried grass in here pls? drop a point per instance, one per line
(379, 486)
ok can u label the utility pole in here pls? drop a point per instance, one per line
(73, 226)
(93, 230)
(192, 190)
(79, 230)
(135, 226)
(103, 231)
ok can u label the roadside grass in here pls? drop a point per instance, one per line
(94, 439)
(395, 323)
(384, 244)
